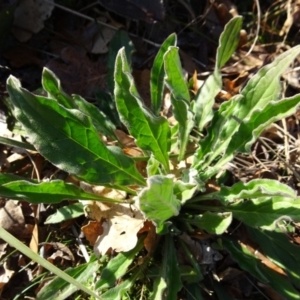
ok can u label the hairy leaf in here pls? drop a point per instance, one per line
(267, 212)
(214, 223)
(205, 98)
(158, 73)
(253, 189)
(180, 97)
(262, 88)
(52, 86)
(68, 139)
(157, 201)
(46, 192)
(152, 133)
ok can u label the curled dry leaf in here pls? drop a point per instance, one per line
(120, 222)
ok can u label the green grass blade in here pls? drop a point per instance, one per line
(83, 274)
(7, 237)
(46, 192)
(180, 97)
(158, 73)
(14, 143)
(152, 133)
(68, 139)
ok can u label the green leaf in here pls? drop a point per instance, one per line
(68, 139)
(98, 118)
(250, 130)
(228, 41)
(158, 73)
(120, 40)
(279, 249)
(253, 189)
(157, 201)
(250, 263)
(52, 86)
(68, 212)
(262, 88)
(60, 289)
(118, 291)
(117, 267)
(212, 222)
(205, 98)
(46, 192)
(151, 133)
(266, 212)
(180, 97)
(170, 273)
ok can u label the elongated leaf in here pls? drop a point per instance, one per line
(99, 119)
(250, 263)
(249, 131)
(157, 201)
(205, 98)
(170, 269)
(52, 86)
(68, 139)
(118, 291)
(228, 41)
(180, 97)
(7, 178)
(158, 73)
(214, 223)
(151, 133)
(117, 267)
(82, 273)
(280, 250)
(260, 90)
(265, 213)
(46, 192)
(120, 40)
(68, 212)
(14, 143)
(253, 189)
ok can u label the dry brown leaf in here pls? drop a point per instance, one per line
(151, 238)
(91, 231)
(121, 224)
(5, 275)
(29, 17)
(12, 220)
